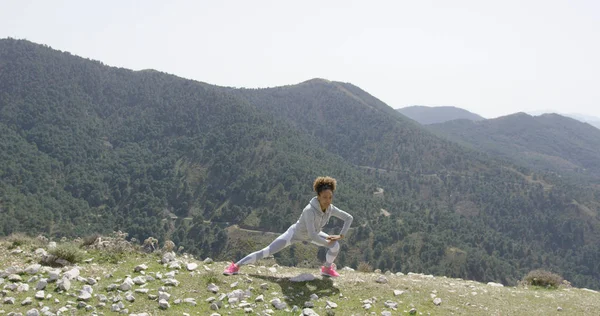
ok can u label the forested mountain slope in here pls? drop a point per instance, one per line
(91, 148)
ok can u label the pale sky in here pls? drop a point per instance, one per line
(492, 58)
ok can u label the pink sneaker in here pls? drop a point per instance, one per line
(231, 269)
(329, 271)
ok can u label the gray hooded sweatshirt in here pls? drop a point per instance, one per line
(312, 221)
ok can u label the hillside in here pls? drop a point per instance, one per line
(91, 149)
(166, 282)
(438, 114)
(548, 142)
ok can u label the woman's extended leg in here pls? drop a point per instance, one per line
(277, 245)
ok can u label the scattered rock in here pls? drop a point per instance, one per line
(495, 284)
(168, 257)
(63, 284)
(40, 295)
(191, 266)
(140, 267)
(309, 312)
(32, 312)
(331, 304)
(304, 277)
(259, 299)
(139, 280)
(33, 269)
(213, 288)
(208, 261)
(412, 311)
(398, 292)
(314, 297)
(390, 304)
(272, 270)
(9, 301)
(84, 296)
(162, 304)
(382, 279)
(437, 301)
(14, 278)
(559, 309)
(278, 304)
(190, 300)
(127, 285)
(71, 274)
(27, 301)
(163, 296)
(171, 282)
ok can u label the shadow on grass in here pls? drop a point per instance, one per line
(299, 292)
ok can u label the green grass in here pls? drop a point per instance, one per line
(459, 297)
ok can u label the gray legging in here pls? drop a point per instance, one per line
(285, 240)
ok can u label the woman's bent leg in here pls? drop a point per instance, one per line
(332, 252)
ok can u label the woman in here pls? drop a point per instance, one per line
(308, 228)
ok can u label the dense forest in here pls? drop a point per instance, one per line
(87, 148)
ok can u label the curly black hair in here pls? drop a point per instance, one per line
(324, 183)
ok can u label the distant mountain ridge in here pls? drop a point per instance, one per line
(437, 114)
(549, 142)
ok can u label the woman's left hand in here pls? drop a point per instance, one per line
(333, 237)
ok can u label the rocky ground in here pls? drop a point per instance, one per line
(131, 282)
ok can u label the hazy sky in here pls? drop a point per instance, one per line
(490, 57)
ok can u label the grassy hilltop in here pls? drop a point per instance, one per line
(106, 267)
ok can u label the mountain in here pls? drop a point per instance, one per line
(87, 148)
(437, 114)
(548, 142)
(592, 120)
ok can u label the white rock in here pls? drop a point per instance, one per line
(23, 287)
(367, 306)
(191, 266)
(33, 269)
(398, 292)
(213, 288)
(162, 304)
(437, 301)
(164, 296)
(32, 312)
(168, 257)
(190, 300)
(139, 280)
(390, 304)
(140, 267)
(53, 275)
(127, 285)
(382, 279)
(495, 284)
(314, 297)
(347, 269)
(309, 312)
(272, 270)
(208, 261)
(175, 265)
(278, 304)
(91, 281)
(171, 282)
(234, 284)
(63, 284)
(129, 297)
(309, 304)
(304, 277)
(84, 296)
(71, 274)
(14, 278)
(386, 313)
(331, 304)
(40, 295)
(259, 299)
